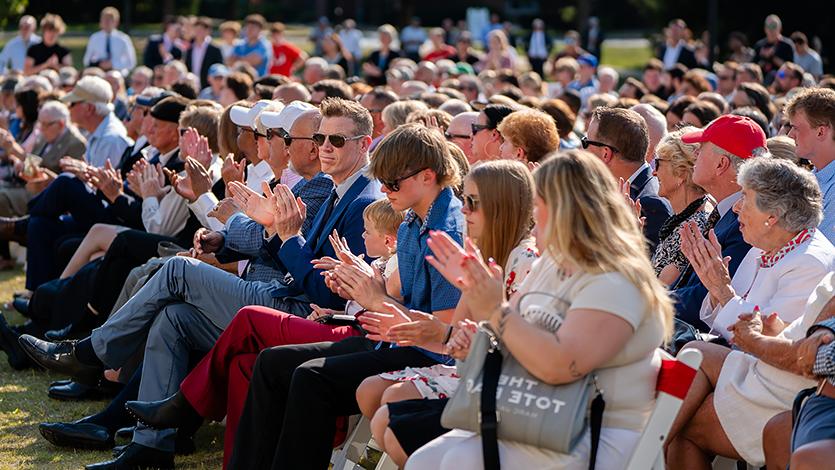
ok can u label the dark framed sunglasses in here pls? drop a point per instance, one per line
(456, 136)
(288, 139)
(336, 140)
(183, 131)
(472, 203)
(476, 128)
(585, 142)
(394, 185)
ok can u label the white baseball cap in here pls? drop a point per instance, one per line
(245, 117)
(287, 116)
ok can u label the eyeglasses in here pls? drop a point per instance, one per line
(472, 203)
(183, 131)
(336, 140)
(394, 185)
(456, 136)
(476, 128)
(288, 139)
(585, 142)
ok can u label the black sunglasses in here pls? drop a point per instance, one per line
(394, 185)
(585, 142)
(456, 136)
(472, 203)
(336, 140)
(289, 139)
(183, 131)
(476, 128)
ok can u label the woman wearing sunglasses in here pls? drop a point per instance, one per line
(486, 140)
(498, 208)
(674, 162)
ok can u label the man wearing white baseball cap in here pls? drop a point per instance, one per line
(243, 117)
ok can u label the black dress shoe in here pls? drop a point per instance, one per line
(21, 305)
(74, 391)
(182, 446)
(71, 331)
(79, 435)
(61, 358)
(125, 433)
(136, 456)
(55, 383)
(18, 360)
(173, 412)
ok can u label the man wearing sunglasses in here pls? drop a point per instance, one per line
(619, 137)
(460, 131)
(345, 131)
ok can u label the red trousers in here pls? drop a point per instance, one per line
(218, 386)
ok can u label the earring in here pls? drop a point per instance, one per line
(766, 223)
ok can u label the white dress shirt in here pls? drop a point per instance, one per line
(671, 55)
(122, 52)
(13, 56)
(198, 53)
(537, 48)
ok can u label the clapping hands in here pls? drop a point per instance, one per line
(705, 256)
(257, 207)
(108, 180)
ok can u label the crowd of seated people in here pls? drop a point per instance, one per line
(242, 233)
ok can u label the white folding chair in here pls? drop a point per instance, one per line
(674, 380)
(348, 455)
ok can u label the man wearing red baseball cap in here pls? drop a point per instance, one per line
(723, 145)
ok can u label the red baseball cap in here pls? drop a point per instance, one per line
(737, 135)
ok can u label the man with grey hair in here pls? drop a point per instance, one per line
(723, 146)
(314, 70)
(290, 92)
(607, 80)
(13, 55)
(455, 107)
(92, 111)
(140, 78)
(58, 138)
(656, 126)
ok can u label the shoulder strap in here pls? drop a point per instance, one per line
(489, 420)
(596, 423)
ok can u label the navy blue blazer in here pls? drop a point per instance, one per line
(296, 253)
(691, 293)
(654, 208)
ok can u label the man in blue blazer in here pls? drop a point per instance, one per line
(187, 304)
(723, 145)
(620, 138)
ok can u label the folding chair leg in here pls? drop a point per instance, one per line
(386, 463)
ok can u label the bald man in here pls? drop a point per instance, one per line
(460, 131)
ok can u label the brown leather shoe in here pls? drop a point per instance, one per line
(8, 232)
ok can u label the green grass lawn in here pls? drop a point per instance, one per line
(24, 404)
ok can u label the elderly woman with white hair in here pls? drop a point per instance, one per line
(736, 392)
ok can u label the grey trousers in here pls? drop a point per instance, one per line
(206, 297)
(177, 332)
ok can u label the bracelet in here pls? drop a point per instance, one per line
(448, 334)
